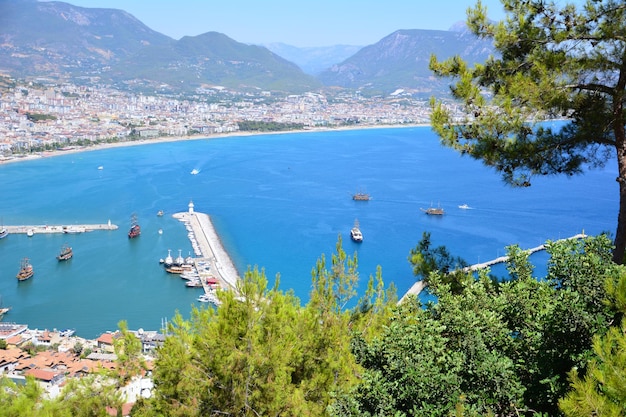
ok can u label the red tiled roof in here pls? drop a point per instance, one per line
(41, 374)
(106, 338)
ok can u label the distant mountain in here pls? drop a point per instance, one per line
(53, 37)
(214, 59)
(400, 61)
(314, 60)
(59, 40)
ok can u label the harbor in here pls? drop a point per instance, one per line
(209, 249)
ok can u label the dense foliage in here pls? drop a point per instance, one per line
(519, 346)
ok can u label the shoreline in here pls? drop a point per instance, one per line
(168, 139)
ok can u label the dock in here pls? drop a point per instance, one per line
(419, 286)
(73, 228)
(210, 248)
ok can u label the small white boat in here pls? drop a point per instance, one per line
(195, 171)
(464, 206)
(209, 297)
(355, 232)
(100, 167)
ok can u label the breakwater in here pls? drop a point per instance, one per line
(205, 240)
(419, 286)
(75, 228)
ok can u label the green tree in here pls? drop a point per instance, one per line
(599, 389)
(261, 353)
(128, 351)
(553, 61)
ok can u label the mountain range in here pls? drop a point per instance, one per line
(59, 41)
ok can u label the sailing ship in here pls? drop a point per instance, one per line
(361, 196)
(355, 232)
(26, 270)
(135, 229)
(437, 211)
(65, 254)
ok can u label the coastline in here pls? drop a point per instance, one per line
(167, 139)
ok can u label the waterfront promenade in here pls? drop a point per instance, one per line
(211, 248)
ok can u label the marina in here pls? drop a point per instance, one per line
(206, 242)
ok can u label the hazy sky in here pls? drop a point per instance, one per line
(295, 22)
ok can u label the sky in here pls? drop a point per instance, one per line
(302, 23)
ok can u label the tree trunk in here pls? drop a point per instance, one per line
(620, 144)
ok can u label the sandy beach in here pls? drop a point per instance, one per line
(165, 139)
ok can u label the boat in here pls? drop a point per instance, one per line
(168, 259)
(65, 254)
(355, 232)
(179, 259)
(195, 171)
(464, 206)
(3, 310)
(210, 297)
(360, 196)
(160, 213)
(26, 270)
(194, 283)
(67, 332)
(30, 232)
(174, 269)
(135, 229)
(437, 211)
(100, 168)
(3, 232)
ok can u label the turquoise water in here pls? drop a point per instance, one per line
(278, 202)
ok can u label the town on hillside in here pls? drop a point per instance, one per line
(40, 117)
(54, 357)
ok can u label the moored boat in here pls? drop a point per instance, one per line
(174, 269)
(26, 270)
(65, 254)
(355, 232)
(135, 229)
(3, 232)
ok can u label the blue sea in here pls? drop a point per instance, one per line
(279, 202)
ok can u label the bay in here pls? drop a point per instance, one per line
(279, 202)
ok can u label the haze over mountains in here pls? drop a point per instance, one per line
(59, 41)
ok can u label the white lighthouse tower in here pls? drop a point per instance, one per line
(190, 207)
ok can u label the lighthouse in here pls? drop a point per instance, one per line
(191, 207)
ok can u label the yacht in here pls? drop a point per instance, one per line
(355, 232)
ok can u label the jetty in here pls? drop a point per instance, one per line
(73, 228)
(419, 286)
(210, 247)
